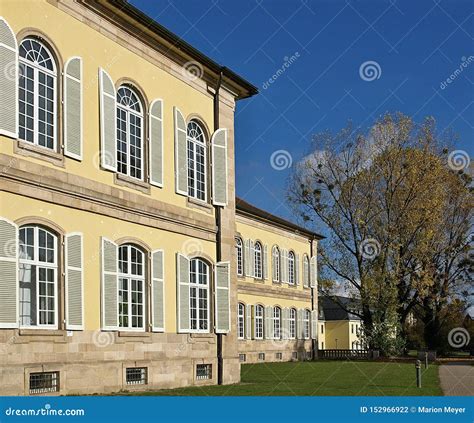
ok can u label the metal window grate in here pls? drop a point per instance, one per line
(203, 371)
(137, 376)
(44, 382)
(261, 356)
(278, 355)
(242, 358)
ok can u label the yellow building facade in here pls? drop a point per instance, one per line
(118, 218)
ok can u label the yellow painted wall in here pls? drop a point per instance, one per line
(74, 38)
(337, 329)
(95, 226)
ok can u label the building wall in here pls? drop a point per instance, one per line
(337, 330)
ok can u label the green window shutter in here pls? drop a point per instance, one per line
(8, 81)
(109, 285)
(181, 153)
(313, 271)
(74, 281)
(73, 108)
(182, 279)
(314, 324)
(158, 291)
(265, 262)
(222, 297)
(108, 122)
(156, 143)
(219, 167)
(248, 317)
(297, 268)
(9, 274)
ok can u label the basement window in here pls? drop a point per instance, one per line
(204, 371)
(242, 358)
(261, 356)
(137, 375)
(294, 355)
(279, 356)
(44, 382)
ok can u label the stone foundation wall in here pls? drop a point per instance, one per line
(95, 362)
(287, 348)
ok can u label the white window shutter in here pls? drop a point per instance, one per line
(314, 324)
(313, 271)
(222, 297)
(285, 323)
(181, 152)
(297, 268)
(8, 81)
(74, 281)
(268, 322)
(108, 122)
(305, 271)
(157, 291)
(109, 285)
(247, 258)
(248, 317)
(265, 262)
(284, 266)
(219, 167)
(9, 274)
(252, 258)
(156, 142)
(299, 325)
(73, 109)
(183, 290)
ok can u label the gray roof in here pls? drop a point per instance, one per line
(330, 308)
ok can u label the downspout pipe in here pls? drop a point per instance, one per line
(220, 360)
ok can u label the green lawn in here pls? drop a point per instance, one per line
(323, 378)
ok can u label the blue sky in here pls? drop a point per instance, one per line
(416, 46)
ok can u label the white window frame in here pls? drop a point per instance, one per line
(258, 259)
(241, 321)
(291, 268)
(129, 276)
(306, 323)
(128, 111)
(276, 263)
(204, 145)
(37, 263)
(54, 75)
(292, 328)
(198, 286)
(259, 318)
(239, 251)
(276, 322)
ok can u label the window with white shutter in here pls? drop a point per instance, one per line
(156, 142)
(222, 297)
(73, 108)
(158, 291)
(9, 274)
(182, 280)
(314, 272)
(219, 167)
(181, 152)
(108, 122)
(265, 262)
(74, 276)
(110, 310)
(314, 324)
(249, 317)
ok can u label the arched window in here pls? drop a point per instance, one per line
(241, 321)
(258, 260)
(259, 321)
(276, 322)
(306, 323)
(291, 268)
(38, 277)
(240, 256)
(292, 323)
(276, 264)
(306, 281)
(37, 94)
(129, 133)
(197, 162)
(199, 295)
(131, 287)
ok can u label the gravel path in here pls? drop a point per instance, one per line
(457, 379)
